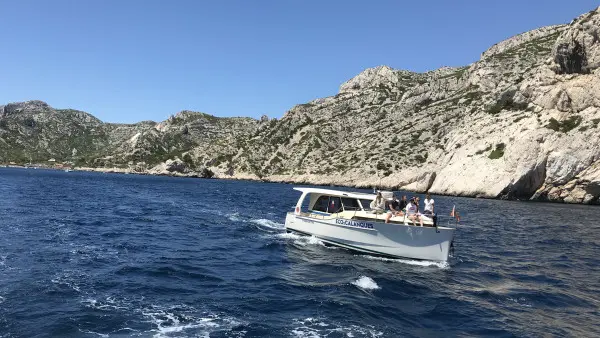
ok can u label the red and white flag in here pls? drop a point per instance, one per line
(455, 213)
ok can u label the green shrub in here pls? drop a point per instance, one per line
(571, 123)
(553, 124)
(565, 126)
(498, 152)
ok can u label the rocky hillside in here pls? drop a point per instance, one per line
(522, 122)
(35, 132)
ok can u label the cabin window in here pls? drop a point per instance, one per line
(321, 204)
(350, 204)
(335, 205)
(366, 204)
(328, 204)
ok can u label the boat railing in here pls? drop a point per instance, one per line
(441, 220)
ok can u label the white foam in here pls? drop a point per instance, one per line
(520, 301)
(92, 332)
(235, 217)
(315, 241)
(108, 304)
(288, 235)
(268, 224)
(312, 328)
(70, 279)
(366, 283)
(184, 320)
(441, 265)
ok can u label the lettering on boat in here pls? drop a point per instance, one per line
(354, 223)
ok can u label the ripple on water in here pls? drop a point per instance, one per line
(322, 327)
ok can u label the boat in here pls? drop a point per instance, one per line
(345, 219)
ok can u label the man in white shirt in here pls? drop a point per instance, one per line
(429, 205)
(430, 208)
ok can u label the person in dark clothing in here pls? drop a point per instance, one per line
(403, 202)
(394, 209)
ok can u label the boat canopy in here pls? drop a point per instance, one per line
(336, 193)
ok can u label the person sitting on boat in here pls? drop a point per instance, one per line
(416, 202)
(378, 204)
(412, 212)
(403, 203)
(394, 209)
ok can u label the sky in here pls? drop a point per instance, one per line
(133, 60)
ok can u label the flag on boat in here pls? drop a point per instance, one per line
(455, 213)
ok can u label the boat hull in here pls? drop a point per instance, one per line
(379, 238)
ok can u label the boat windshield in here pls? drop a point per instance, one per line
(334, 204)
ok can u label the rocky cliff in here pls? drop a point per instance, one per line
(522, 122)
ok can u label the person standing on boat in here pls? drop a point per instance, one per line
(394, 209)
(412, 212)
(430, 208)
(429, 205)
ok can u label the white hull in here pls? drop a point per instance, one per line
(375, 237)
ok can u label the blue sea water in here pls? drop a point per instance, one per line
(110, 255)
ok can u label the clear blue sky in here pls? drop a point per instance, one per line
(132, 60)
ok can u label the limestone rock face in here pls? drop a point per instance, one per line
(576, 51)
(371, 77)
(522, 122)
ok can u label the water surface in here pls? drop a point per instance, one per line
(89, 255)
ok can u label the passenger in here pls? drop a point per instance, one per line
(378, 204)
(430, 208)
(403, 202)
(394, 209)
(412, 212)
(417, 199)
(429, 205)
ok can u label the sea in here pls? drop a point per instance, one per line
(113, 255)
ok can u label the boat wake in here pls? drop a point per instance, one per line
(302, 240)
(441, 265)
(268, 224)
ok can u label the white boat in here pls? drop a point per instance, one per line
(344, 219)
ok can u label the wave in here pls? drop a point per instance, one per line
(321, 327)
(266, 223)
(167, 321)
(185, 320)
(289, 235)
(441, 265)
(108, 304)
(303, 240)
(235, 217)
(366, 283)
